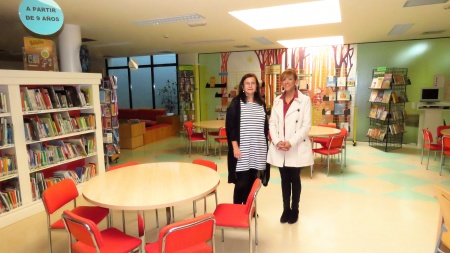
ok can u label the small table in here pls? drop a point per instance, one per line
(322, 131)
(209, 124)
(151, 186)
(446, 132)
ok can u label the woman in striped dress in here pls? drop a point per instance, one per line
(247, 128)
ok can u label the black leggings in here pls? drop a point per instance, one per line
(290, 181)
(243, 185)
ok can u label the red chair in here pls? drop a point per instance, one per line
(439, 135)
(429, 145)
(213, 166)
(443, 197)
(332, 147)
(344, 133)
(445, 151)
(322, 140)
(188, 236)
(239, 216)
(141, 223)
(191, 136)
(222, 138)
(58, 195)
(91, 239)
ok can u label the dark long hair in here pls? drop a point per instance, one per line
(257, 98)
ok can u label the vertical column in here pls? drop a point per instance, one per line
(69, 48)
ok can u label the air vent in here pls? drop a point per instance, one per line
(433, 32)
(87, 40)
(241, 46)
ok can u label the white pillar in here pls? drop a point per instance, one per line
(69, 48)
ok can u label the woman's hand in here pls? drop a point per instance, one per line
(237, 153)
(283, 145)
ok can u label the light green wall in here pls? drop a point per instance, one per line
(423, 58)
(209, 66)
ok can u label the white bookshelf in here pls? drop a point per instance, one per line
(10, 83)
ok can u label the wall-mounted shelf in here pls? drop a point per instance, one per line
(217, 85)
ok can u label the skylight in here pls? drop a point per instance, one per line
(292, 15)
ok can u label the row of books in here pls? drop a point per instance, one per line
(185, 117)
(380, 112)
(186, 97)
(53, 97)
(6, 132)
(342, 95)
(386, 81)
(81, 174)
(57, 151)
(187, 105)
(109, 123)
(54, 124)
(397, 128)
(376, 133)
(334, 81)
(8, 164)
(109, 110)
(3, 103)
(109, 82)
(10, 196)
(385, 96)
(108, 96)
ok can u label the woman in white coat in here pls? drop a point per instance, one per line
(290, 147)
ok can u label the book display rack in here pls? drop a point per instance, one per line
(110, 120)
(186, 91)
(387, 108)
(50, 129)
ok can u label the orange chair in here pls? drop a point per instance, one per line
(141, 224)
(191, 136)
(58, 195)
(445, 151)
(332, 147)
(439, 135)
(443, 197)
(239, 216)
(429, 145)
(213, 166)
(188, 236)
(91, 239)
(222, 138)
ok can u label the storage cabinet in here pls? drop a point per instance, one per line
(387, 113)
(55, 144)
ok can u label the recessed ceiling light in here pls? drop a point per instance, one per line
(399, 29)
(292, 15)
(168, 20)
(411, 3)
(313, 42)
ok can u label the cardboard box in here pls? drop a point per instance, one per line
(131, 142)
(128, 130)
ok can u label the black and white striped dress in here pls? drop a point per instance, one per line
(253, 143)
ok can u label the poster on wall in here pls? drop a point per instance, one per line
(39, 54)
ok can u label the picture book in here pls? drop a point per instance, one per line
(339, 109)
(344, 95)
(373, 95)
(377, 83)
(386, 84)
(373, 111)
(386, 96)
(331, 81)
(341, 81)
(351, 81)
(399, 79)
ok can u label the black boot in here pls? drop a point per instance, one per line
(293, 217)
(286, 215)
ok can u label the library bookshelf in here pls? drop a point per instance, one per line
(11, 83)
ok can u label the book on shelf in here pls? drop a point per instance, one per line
(399, 79)
(380, 95)
(373, 111)
(54, 99)
(377, 82)
(339, 109)
(351, 81)
(345, 125)
(373, 95)
(384, 115)
(3, 103)
(379, 113)
(341, 81)
(395, 98)
(332, 96)
(343, 95)
(387, 80)
(331, 81)
(386, 96)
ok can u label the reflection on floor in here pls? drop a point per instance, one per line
(382, 202)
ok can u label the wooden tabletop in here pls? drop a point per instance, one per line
(150, 185)
(322, 131)
(446, 132)
(210, 124)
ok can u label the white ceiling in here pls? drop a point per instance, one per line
(111, 24)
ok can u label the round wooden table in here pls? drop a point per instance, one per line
(207, 125)
(322, 131)
(151, 186)
(446, 132)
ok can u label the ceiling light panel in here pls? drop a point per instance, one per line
(412, 3)
(263, 40)
(399, 29)
(168, 20)
(292, 15)
(313, 42)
